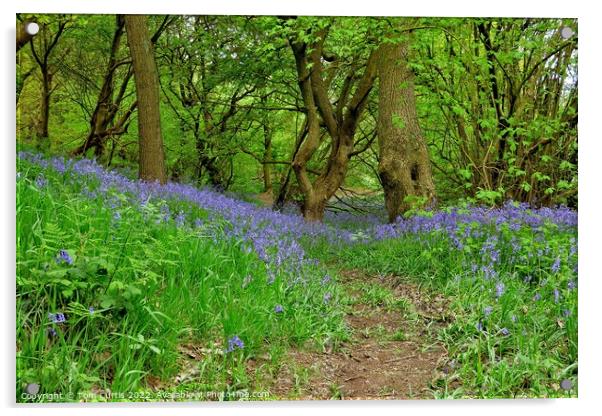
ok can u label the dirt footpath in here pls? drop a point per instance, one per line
(393, 352)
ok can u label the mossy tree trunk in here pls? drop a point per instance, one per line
(340, 122)
(404, 166)
(151, 153)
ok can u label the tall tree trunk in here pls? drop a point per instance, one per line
(42, 53)
(267, 157)
(151, 154)
(45, 103)
(340, 122)
(103, 123)
(404, 165)
(285, 186)
(105, 109)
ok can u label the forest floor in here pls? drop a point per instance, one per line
(393, 352)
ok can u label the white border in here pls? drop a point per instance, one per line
(590, 287)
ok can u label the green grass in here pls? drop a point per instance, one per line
(155, 285)
(540, 349)
(152, 286)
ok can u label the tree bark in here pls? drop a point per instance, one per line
(151, 154)
(340, 122)
(106, 107)
(404, 165)
(267, 150)
(285, 186)
(45, 103)
(267, 157)
(42, 54)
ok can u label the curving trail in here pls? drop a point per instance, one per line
(393, 352)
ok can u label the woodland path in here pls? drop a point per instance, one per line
(393, 352)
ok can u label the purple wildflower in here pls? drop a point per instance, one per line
(487, 311)
(91, 310)
(537, 297)
(505, 332)
(327, 297)
(41, 181)
(571, 285)
(57, 318)
(180, 219)
(278, 309)
(556, 296)
(64, 257)
(499, 289)
(566, 313)
(556, 266)
(479, 326)
(235, 343)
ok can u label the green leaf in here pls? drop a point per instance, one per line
(107, 302)
(154, 349)
(465, 173)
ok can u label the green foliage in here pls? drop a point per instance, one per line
(537, 304)
(225, 78)
(152, 287)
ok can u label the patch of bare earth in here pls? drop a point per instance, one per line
(392, 354)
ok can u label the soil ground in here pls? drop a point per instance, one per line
(393, 352)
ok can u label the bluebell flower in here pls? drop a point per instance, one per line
(571, 285)
(487, 311)
(64, 257)
(499, 289)
(327, 297)
(91, 310)
(180, 219)
(556, 296)
(41, 181)
(57, 318)
(505, 332)
(556, 266)
(235, 343)
(537, 297)
(278, 309)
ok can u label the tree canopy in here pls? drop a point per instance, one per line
(288, 107)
